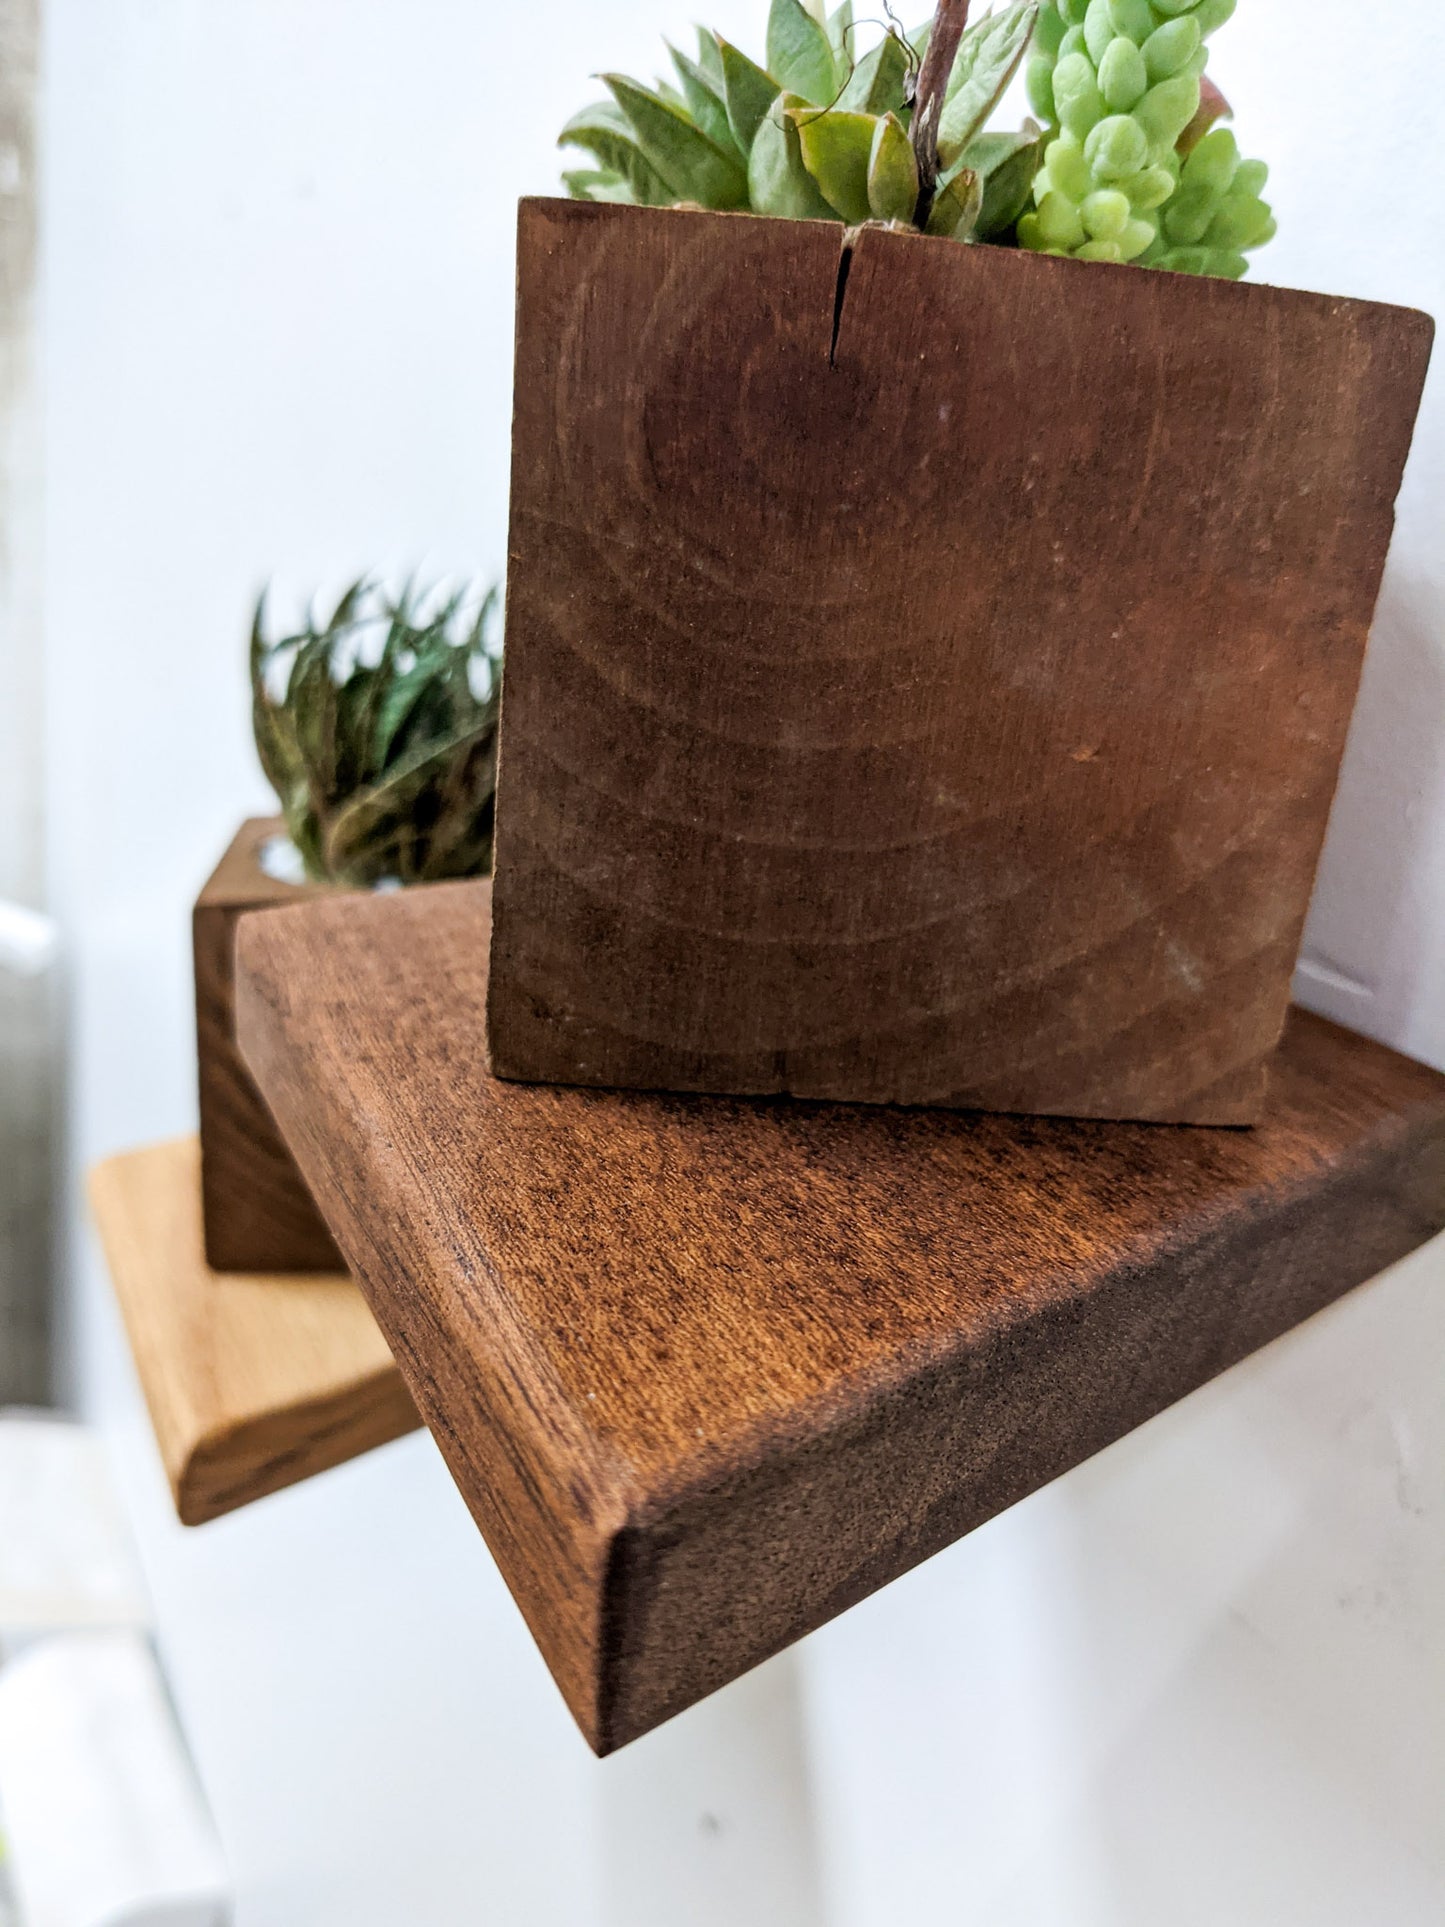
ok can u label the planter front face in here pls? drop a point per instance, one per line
(925, 683)
(257, 1212)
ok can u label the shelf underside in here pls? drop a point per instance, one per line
(708, 1371)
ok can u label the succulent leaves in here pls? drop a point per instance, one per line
(1123, 88)
(778, 179)
(813, 136)
(800, 53)
(892, 172)
(383, 757)
(988, 58)
(877, 83)
(1217, 211)
(836, 150)
(1005, 165)
(675, 147)
(747, 92)
(820, 133)
(622, 167)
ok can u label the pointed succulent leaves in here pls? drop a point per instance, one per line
(840, 38)
(707, 108)
(747, 92)
(1006, 164)
(837, 149)
(957, 204)
(709, 58)
(1119, 84)
(606, 133)
(892, 172)
(877, 82)
(778, 181)
(596, 184)
(271, 719)
(987, 59)
(384, 762)
(800, 55)
(694, 167)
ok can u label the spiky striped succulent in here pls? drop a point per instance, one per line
(1125, 167)
(377, 729)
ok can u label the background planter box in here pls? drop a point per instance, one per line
(927, 667)
(258, 1213)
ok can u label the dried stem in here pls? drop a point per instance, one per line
(948, 25)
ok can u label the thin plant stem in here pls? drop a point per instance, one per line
(948, 25)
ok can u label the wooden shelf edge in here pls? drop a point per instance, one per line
(706, 1371)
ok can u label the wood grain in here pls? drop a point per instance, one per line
(707, 1371)
(258, 1214)
(252, 1383)
(945, 714)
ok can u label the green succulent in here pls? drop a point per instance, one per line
(1121, 85)
(819, 133)
(377, 729)
(1216, 213)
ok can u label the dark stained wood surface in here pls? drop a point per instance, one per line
(252, 1383)
(709, 1370)
(258, 1215)
(945, 713)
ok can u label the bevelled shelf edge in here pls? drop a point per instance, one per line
(706, 1371)
(253, 1382)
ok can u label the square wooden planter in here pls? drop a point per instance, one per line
(927, 667)
(258, 1215)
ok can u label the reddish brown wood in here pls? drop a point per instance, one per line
(258, 1214)
(707, 1371)
(946, 714)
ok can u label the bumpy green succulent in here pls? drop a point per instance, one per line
(1127, 169)
(1216, 212)
(817, 134)
(377, 729)
(1124, 177)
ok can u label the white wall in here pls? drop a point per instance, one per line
(1200, 1680)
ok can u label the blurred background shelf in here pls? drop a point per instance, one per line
(253, 1382)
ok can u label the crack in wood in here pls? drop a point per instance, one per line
(840, 291)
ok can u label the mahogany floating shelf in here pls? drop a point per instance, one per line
(253, 1382)
(708, 1371)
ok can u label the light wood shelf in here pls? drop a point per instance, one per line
(253, 1382)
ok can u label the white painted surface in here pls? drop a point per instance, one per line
(27, 941)
(1201, 1679)
(105, 1824)
(67, 1561)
